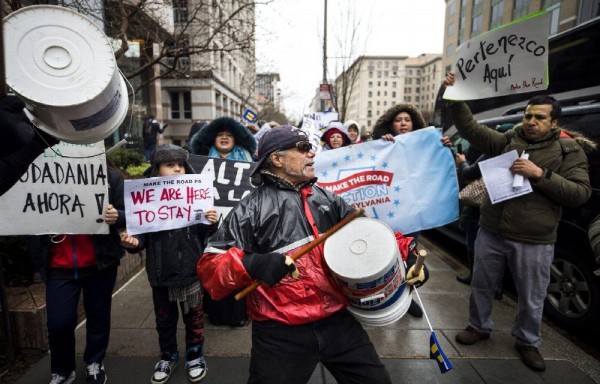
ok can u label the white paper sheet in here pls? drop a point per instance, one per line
(499, 179)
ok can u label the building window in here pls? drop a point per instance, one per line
(370, 84)
(378, 103)
(370, 74)
(520, 9)
(379, 83)
(378, 74)
(450, 30)
(497, 12)
(477, 18)
(386, 73)
(449, 49)
(417, 99)
(369, 123)
(370, 94)
(378, 93)
(369, 113)
(394, 94)
(408, 99)
(181, 105)
(451, 6)
(394, 84)
(408, 80)
(180, 11)
(369, 104)
(553, 8)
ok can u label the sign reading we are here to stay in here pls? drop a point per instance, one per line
(161, 203)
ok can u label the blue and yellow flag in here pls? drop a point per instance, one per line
(438, 354)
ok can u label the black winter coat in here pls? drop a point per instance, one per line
(171, 255)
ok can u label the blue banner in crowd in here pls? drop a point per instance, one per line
(410, 184)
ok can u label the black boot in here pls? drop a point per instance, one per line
(414, 309)
(466, 278)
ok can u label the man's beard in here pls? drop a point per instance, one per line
(290, 172)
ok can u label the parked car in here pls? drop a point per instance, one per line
(573, 299)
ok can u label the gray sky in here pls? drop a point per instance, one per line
(290, 38)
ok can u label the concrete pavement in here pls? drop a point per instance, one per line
(403, 345)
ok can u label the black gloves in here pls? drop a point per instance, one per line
(269, 268)
(16, 129)
(412, 278)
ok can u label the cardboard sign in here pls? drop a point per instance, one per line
(511, 59)
(323, 118)
(161, 203)
(309, 126)
(64, 191)
(231, 180)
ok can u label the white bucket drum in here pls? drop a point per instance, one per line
(364, 259)
(63, 67)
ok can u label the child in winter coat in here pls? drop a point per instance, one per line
(171, 259)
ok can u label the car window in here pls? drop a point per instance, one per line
(589, 125)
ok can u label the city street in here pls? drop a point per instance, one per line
(403, 345)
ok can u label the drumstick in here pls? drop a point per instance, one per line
(420, 261)
(306, 248)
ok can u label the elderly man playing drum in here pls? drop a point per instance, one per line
(299, 313)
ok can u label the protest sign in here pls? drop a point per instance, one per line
(410, 184)
(309, 126)
(231, 180)
(323, 118)
(161, 203)
(64, 191)
(510, 59)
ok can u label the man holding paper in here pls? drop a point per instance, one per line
(521, 232)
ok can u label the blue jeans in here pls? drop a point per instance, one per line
(62, 300)
(149, 149)
(289, 354)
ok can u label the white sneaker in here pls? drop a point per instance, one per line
(196, 369)
(58, 379)
(163, 369)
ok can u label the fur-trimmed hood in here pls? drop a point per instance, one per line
(205, 137)
(383, 125)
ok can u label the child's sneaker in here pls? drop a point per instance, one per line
(58, 379)
(95, 374)
(196, 369)
(164, 368)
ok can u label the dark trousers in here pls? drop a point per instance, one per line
(289, 354)
(167, 316)
(62, 300)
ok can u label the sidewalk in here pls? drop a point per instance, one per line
(403, 345)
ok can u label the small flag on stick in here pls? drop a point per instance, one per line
(438, 354)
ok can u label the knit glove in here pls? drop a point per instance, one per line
(269, 268)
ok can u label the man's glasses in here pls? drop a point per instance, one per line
(304, 146)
